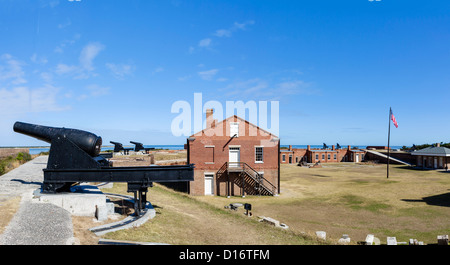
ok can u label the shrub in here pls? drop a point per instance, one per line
(23, 157)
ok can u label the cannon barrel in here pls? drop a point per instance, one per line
(116, 144)
(86, 141)
(138, 146)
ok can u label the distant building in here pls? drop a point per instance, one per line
(434, 157)
(377, 147)
(333, 155)
(233, 157)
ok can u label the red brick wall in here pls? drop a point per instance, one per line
(342, 155)
(209, 152)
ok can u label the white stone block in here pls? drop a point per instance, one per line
(369, 239)
(101, 213)
(321, 235)
(391, 241)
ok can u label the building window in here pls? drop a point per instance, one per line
(296, 159)
(259, 155)
(284, 158)
(234, 129)
(317, 157)
(323, 157)
(329, 156)
(209, 154)
(334, 156)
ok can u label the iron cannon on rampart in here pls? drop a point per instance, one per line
(140, 147)
(119, 147)
(75, 157)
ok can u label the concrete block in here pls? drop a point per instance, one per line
(83, 201)
(344, 240)
(391, 241)
(321, 235)
(101, 213)
(110, 207)
(369, 239)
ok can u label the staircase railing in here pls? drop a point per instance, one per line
(261, 182)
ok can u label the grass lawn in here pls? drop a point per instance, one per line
(344, 198)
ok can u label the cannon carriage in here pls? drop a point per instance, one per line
(75, 157)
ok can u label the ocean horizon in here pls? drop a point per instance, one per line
(39, 149)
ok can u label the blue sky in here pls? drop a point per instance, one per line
(116, 67)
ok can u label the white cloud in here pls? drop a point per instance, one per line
(88, 54)
(223, 33)
(184, 78)
(96, 90)
(54, 3)
(23, 100)
(15, 97)
(11, 71)
(236, 26)
(38, 59)
(65, 24)
(247, 87)
(158, 70)
(221, 79)
(45, 99)
(60, 48)
(120, 71)
(65, 69)
(294, 87)
(265, 88)
(92, 90)
(242, 26)
(86, 67)
(208, 75)
(47, 77)
(204, 43)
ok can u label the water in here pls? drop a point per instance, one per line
(38, 150)
(34, 151)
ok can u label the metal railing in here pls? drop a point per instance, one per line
(262, 183)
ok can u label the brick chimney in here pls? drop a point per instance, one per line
(349, 147)
(209, 118)
(438, 144)
(290, 147)
(308, 148)
(333, 148)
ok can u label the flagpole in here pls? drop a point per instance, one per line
(389, 136)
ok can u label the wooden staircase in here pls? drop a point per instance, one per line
(251, 182)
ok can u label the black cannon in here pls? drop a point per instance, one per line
(119, 147)
(74, 158)
(140, 146)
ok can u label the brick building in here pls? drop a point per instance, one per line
(233, 157)
(434, 157)
(309, 155)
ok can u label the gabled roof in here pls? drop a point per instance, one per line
(239, 118)
(435, 151)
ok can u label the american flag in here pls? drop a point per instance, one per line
(393, 119)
